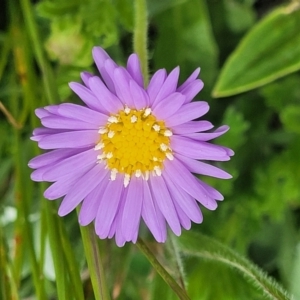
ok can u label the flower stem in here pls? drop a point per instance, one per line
(140, 36)
(94, 263)
(161, 271)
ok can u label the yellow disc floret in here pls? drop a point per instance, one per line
(134, 142)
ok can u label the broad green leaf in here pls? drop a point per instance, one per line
(269, 51)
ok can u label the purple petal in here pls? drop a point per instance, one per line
(191, 90)
(153, 216)
(85, 76)
(169, 106)
(90, 204)
(111, 103)
(100, 56)
(181, 177)
(82, 113)
(188, 112)
(87, 96)
(213, 193)
(72, 139)
(184, 200)
(139, 96)
(191, 127)
(132, 209)
(183, 218)
(51, 157)
(122, 87)
(84, 186)
(198, 150)
(108, 207)
(207, 136)
(162, 197)
(155, 84)
(202, 168)
(134, 69)
(58, 122)
(41, 113)
(193, 77)
(71, 165)
(169, 86)
(107, 73)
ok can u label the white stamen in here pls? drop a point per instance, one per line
(146, 175)
(127, 110)
(147, 112)
(102, 130)
(101, 156)
(156, 127)
(155, 158)
(138, 173)
(111, 134)
(109, 155)
(163, 147)
(157, 170)
(169, 155)
(113, 174)
(168, 133)
(112, 119)
(126, 180)
(99, 146)
(133, 119)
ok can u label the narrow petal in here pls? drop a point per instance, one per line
(41, 113)
(197, 149)
(111, 103)
(153, 216)
(184, 220)
(122, 88)
(186, 202)
(162, 197)
(58, 122)
(169, 86)
(132, 209)
(51, 157)
(85, 76)
(155, 84)
(82, 113)
(202, 168)
(108, 207)
(100, 56)
(193, 77)
(207, 136)
(213, 193)
(71, 165)
(192, 126)
(181, 177)
(73, 139)
(134, 69)
(169, 106)
(87, 96)
(188, 112)
(139, 96)
(192, 89)
(90, 204)
(84, 186)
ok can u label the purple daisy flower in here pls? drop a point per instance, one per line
(129, 154)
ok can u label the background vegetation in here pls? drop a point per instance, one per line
(249, 53)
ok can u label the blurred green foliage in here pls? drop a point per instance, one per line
(241, 46)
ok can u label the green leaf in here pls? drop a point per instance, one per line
(269, 51)
(198, 245)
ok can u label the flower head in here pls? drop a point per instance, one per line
(130, 152)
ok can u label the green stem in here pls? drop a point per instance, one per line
(94, 262)
(161, 271)
(140, 36)
(48, 77)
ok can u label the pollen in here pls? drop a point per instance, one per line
(134, 143)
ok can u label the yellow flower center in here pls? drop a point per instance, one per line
(133, 142)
